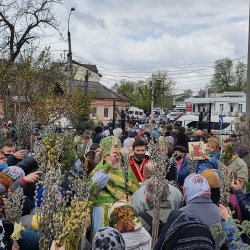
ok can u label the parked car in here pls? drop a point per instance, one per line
(136, 113)
(175, 114)
(193, 121)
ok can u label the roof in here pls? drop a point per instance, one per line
(203, 100)
(101, 91)
(91, 67)
(180, 98)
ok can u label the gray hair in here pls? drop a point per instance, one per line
(150, 189)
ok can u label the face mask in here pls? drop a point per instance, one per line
(139, 157)
(7, 155)
(3, 166)
(180, 161)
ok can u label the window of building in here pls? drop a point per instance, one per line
(240, 107)
(193, 108)
(221, 107)
(94, 112)
(231, 108)
(106, 112)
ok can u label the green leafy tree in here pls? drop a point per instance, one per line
(140, 93)
(188, 92)
(126, 88)
(30, 82)
(143, 96)
(38, 83)
(79, 108)
(240, 77)
(228, 77)
(163, 89)
(201, 93)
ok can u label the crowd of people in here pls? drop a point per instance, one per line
(122, 216)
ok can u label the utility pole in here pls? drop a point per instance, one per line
(152, 96)
(69, 56)
(113, 114)
(209, 118)
(87, 75)
(248, 75)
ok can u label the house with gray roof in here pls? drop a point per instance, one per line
(104, 98)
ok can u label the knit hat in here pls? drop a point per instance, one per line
(107, 143)
(123, 217)
(212, 177)
(108, 239)
(29, 240)
(194, 186)
(14, 172)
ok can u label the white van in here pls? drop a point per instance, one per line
(188, 121)
(135, 112)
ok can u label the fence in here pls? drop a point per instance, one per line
(222, 135)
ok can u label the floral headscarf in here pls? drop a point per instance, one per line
(123, 217)
(194, 186)
(14, 172)
(108, 238)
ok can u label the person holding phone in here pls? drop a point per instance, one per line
(18, 158)
(13, 157)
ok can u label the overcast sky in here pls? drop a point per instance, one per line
(134, 38)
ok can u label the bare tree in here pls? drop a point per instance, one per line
(20, 21)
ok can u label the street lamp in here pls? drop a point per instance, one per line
(69, 43)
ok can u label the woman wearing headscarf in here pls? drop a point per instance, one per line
(197, 195)
(124, 218)
(109, 177)
(108, 238)
(13, 177)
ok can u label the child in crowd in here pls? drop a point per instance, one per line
(211, 157)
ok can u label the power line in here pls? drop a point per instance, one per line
(52, 43)
(176, 65)
(117, 74)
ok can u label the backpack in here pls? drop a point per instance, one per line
(178, 224)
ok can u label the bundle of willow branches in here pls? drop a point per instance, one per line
(161, 164)
(24, 129)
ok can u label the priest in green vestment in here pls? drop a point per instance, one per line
(113, 189)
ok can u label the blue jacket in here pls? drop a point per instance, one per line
(183, 172)
(233, 241)
(206, 164)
